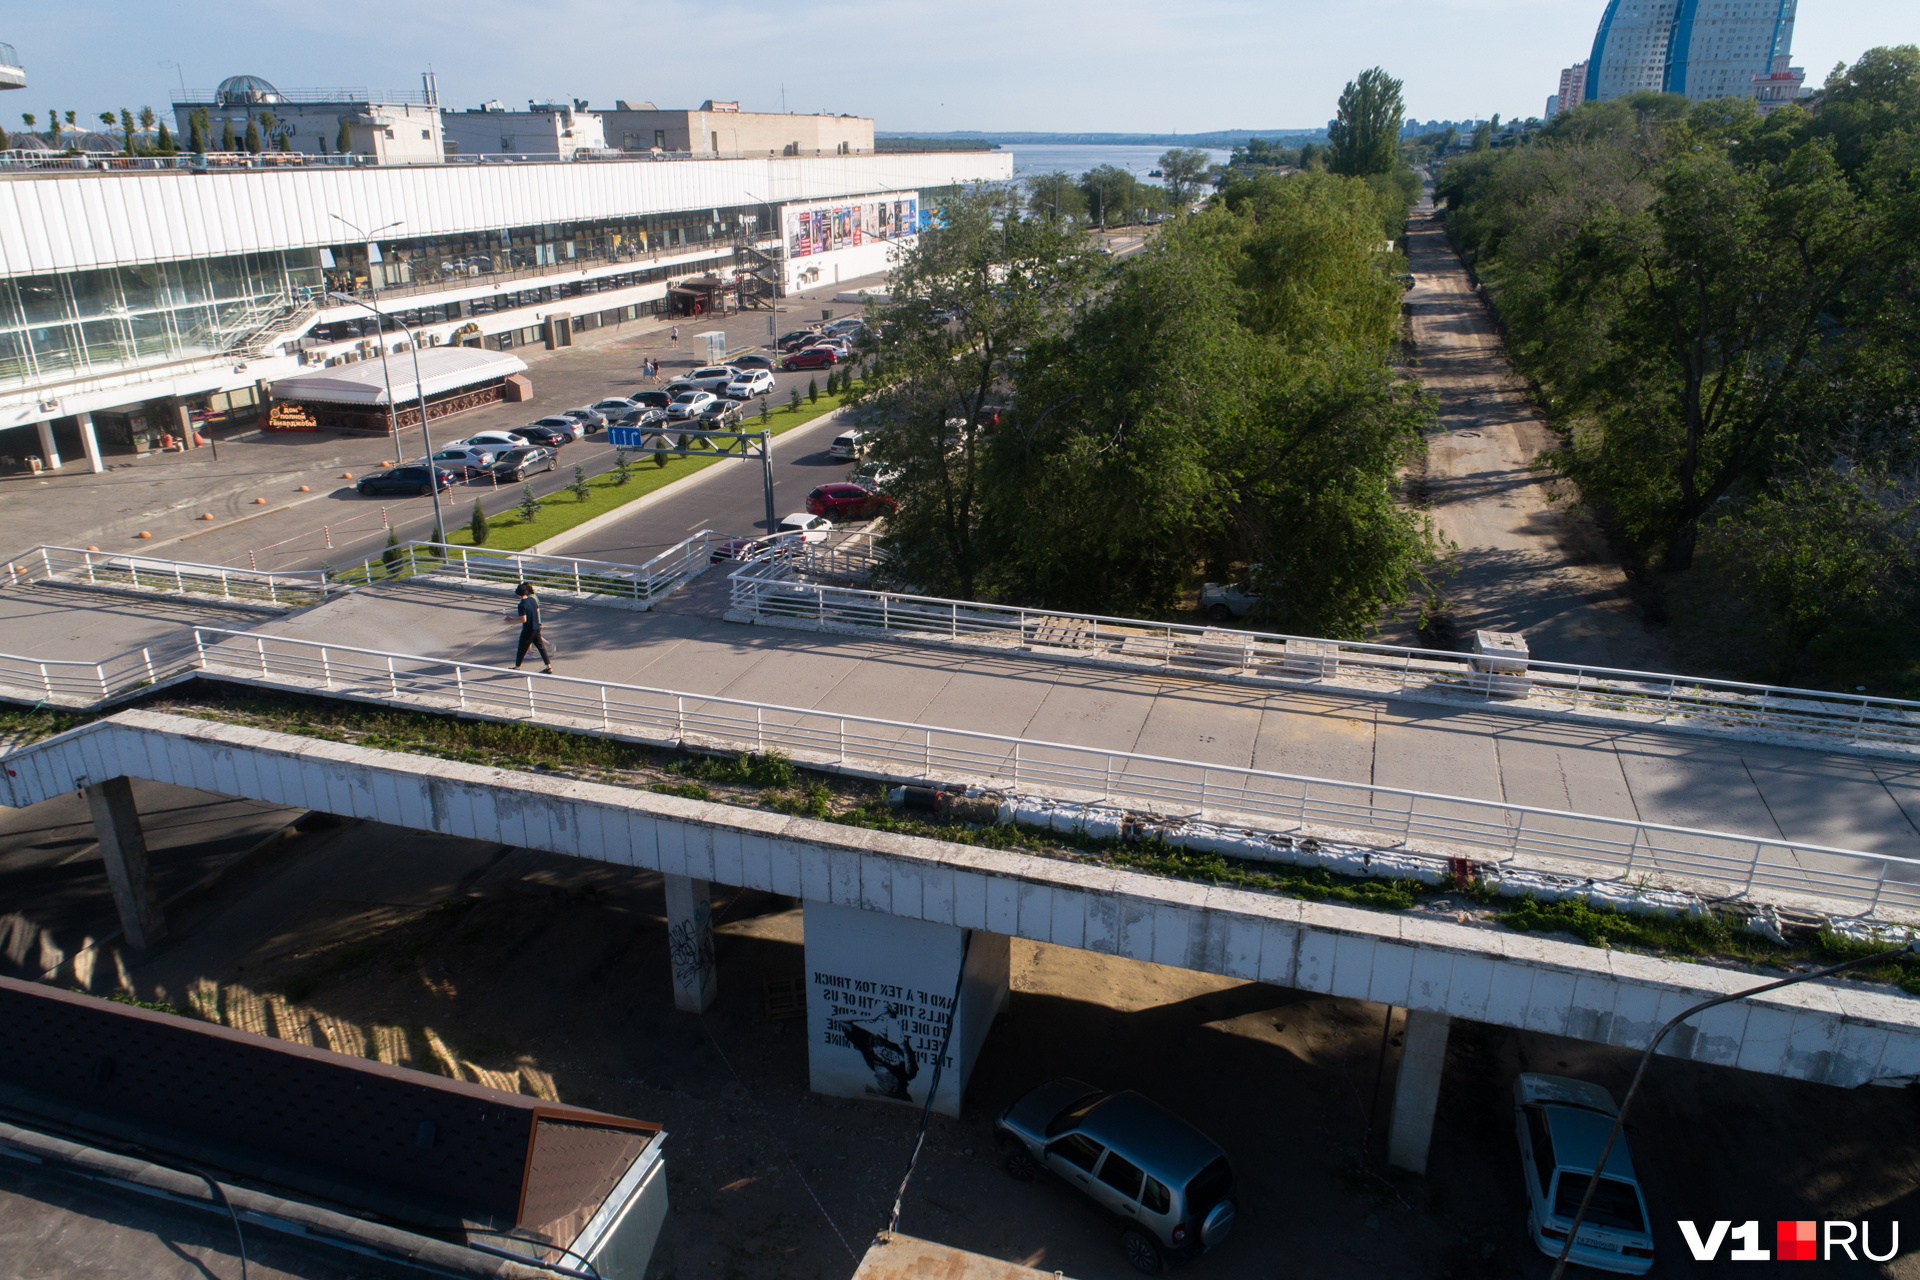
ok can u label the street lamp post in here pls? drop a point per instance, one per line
(1619, 1121)
(420, 392)
(393, 428)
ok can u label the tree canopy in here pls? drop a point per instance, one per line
(1365, 136)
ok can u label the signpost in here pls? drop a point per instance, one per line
(673, 441)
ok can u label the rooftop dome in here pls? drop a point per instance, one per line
(237, 91)
(26, 142)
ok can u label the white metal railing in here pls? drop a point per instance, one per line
(65, 683)
(170, 577)
(1276, 801)
(770, 591)
(602, 581)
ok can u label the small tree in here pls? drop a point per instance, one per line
(226, 136)
(3, 139)
(163, 142)
(660, 457)
(478, 526)
(813, 390)
(793, 396)
(581, 489)
(148, 119)
(529, 506)
(392, 556)
(284, 144)
(344, 143)
(765, 412)
(439, 548)
(254, 145)
(622, 468)
(30, 118)
(127, 127)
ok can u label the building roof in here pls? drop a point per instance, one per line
(235, 90)
(442, 369)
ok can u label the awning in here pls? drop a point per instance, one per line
(442, 369)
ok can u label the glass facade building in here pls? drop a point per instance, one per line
(1702, 49)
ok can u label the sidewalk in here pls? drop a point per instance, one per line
(165, 494)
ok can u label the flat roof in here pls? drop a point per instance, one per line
(442, 369)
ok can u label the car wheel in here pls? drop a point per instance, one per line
(1220, 613)
(1022, 1166)
(1141, 1251)
(424, 490)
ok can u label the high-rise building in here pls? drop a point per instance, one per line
(1573, 90)
(1720, 49)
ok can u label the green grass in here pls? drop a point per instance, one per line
(562, 511)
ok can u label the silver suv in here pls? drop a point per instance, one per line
(1169, 1185)
(713, 378)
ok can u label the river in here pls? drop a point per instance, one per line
(1030, 159)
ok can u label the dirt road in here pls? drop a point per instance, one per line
(1525, 564)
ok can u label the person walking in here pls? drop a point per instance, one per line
(529, 611)
(676, 337)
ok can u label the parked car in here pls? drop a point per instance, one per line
(809, 527)
(518, 464)
(712, 378)
(848, 444)
(1222, 602)
(744, 363)
(797, 338)
(651, 399)
(839, 346)
(497, 440)
(844, 500)
(467, 459)
(640, 416)
(847, 325)
(544, 432)
(612, 408)
(871, 475)
(1166, 1184)
(1562, 1124)
(750, 383)
(415, 478)
(721, 415)
(689, 404)
(589, 420)
(812, 358)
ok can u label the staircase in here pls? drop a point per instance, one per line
(759, 278)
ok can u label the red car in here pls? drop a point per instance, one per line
(812, 358)
(846, 501)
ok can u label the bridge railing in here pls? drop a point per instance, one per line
(71, 565)
(66, 683)
(600, 581)
(1490, 830)
(772, 593)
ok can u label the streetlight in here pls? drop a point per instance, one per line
(1619, 1121)
(420, 391)
(367, 237)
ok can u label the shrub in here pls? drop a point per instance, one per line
(392, 555)
(813, 390)
(622, 467)
(529, 505)
(478, 526)
(580, 488)
(793, 394)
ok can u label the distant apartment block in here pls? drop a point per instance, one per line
(1722, 49)
(1573, 90)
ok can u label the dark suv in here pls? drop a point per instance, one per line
(1167, 1184)
(413, 479)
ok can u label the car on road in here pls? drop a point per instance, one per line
(1166, 1184)
(690, 404)
(721, 415)
(518, 464)
(808, 526)
(414, 478)
(1223, 602)
(750, 383)
(848, 445)
(844, 500)
(468, 459)
(589, 420)
(712, 378)
(551, 432)
(1562, 1125)
(744, 363)
(499, 441)
(811, 358)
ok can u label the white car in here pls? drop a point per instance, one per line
(839, 346)
(749, 383)
(848, 444)
(468, 457)
(1224, 602)
(1562, 1126)
(810, 528)
(561, 422)
(690, 404)
(500, 441)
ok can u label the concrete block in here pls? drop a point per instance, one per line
(1003, 906)
(1430, 980)
(1763, 1046)
(729, 864)
(1550, 1002)
(1416, 1092)
(843, 878)
(1068, 928)
(1392, 979)
(226, 775)
(698, 842)
(1240, 953)
(670, 841)
(123, 848)
(1508, 996)
(875, 890)
(1353, 961)
(1591, 1015)
(782, 860)
(936, 893)
(969, 900)
(1100, 921)
(1470, 989)
(816, 877)
(1857, 1053)
(1173, 926)
(1279, 951)
(1811, 1041)
(1315, 969)
(1134, 938)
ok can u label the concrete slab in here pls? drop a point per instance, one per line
(77, 625)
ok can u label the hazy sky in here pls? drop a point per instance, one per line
(1115, 65)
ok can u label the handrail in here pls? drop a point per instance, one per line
(771, 593)
(130, 570)
(638, 584)
(1734, 864)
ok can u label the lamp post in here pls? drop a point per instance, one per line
(420, 392)
(366, 237)
(1619, 1121)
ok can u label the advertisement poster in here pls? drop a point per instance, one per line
(799, 234)
(813, 231)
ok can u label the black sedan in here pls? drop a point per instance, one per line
(651, 399)
(413, 479)
(518, 464)
(550, 437)
(641, 417)
(753, 362)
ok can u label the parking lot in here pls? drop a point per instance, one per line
(517, 961)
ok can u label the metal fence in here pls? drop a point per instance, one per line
(1603, 847)
(282, 590)
(81, 685)
(596, 581)
(772, 592)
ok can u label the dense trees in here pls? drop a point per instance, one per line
(1365, 136)
(1722, 308)
(1181, 169)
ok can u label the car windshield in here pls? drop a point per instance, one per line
(1073, 1115)
(1208, 1187)
(687, 398)
(1615, 1204)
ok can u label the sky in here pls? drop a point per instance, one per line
(1055, 65)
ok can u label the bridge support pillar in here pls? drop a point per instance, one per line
(1416, 1095)
(696, 981)
(881, 1007)
(116, 824)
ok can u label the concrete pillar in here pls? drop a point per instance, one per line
(1416, 1094)
(183, 424)
(49, 456)
(880, 997)
(116, 824)
(90, 442)
(696, 980)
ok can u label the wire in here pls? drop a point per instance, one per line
(508, 1253)
(933, 1089)
(219, 1193)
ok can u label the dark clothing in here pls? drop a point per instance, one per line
(530, 638)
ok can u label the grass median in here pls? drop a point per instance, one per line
(563, 509)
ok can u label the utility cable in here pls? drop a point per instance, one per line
(933, 1089)
(220, 1194)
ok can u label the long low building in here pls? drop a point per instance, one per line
(136, 300)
